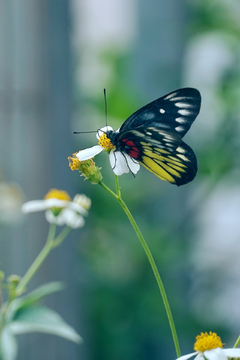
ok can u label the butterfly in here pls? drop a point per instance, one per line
(153, 136)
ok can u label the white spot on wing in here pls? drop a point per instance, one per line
(166, 136)
(183, 105)
(181, 150)
(183, 157)
(162, 111)
(184, 112)
(181, 120)
(148, 133)
(179, 128)
(138, 133)
(170, 96)
(179, 98)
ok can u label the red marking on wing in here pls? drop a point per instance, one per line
(128, 142)
(133, 151)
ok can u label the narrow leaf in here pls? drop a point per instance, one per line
(33, 297)
(43, 319)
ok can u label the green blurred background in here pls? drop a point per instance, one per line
(56, 58)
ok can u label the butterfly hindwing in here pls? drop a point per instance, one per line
(161, 152)
(175, 111)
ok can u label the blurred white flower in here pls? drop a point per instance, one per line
(60, 210)
(11, 200)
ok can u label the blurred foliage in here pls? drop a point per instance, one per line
(215, 14)
(219, 155)
(124, 307)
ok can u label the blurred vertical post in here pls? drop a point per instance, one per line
(35, 140)
(160, 44)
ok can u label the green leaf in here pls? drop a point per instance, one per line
(42, 319)
(8, 345)
(33, 297)
(41, 292)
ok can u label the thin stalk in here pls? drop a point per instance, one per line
(151, 261)
(38, 261)
(59, 239)
(237, 342)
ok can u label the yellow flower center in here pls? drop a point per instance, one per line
(207, 341)
(105, 142)
(74, 163)
(57, 194)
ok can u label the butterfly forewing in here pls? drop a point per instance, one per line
(175, 111)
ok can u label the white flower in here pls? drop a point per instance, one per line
(214, 354)
(210, 347)
(11, 200)
(60, 210)
(67, 217)
(120, 163)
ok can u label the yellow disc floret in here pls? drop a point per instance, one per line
(207, 341)
(105, 142)
(57, 194)
(73, 161)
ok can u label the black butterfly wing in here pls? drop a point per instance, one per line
(175, 111)
(161, 152)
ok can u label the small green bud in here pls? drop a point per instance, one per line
(87, 168)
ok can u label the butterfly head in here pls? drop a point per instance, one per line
(106, 138)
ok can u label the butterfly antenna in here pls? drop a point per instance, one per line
(84, 132)
(105, 103)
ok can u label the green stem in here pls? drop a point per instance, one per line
(38, 261)
(151, 260)
(237, 342)
(118, 191)
(59, 239)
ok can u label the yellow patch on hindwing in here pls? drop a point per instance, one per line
(152, 166)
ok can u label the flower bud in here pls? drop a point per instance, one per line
(86, 167)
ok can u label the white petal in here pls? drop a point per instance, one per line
(133, 164)
(89, 152)
(38, 205)
(185, 357)
(82, 200)
(71, 218)
(118, 163)
(215, 354)
(54, 202)
(52, 219)
(77, 207)
(200, 357)
(34, 205)
(102, 131)
(78, 222)
(232, 353)
(123, 163)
